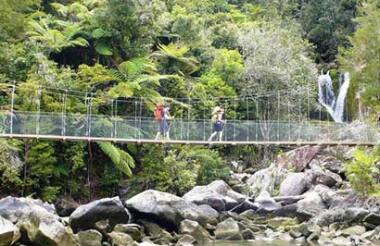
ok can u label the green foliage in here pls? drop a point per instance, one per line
(327, 24)
(122, 160)
(361, 171)
(178, 171)
(362, 59)
(10, 166)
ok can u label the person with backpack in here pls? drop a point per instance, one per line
(162, 115)
(218, 123)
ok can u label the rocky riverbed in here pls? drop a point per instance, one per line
(301, 198)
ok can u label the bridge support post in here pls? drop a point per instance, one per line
(38, 110)
(63, 120)
(12, 109)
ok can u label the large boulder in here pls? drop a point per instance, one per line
(294, 184)
(327, 194)
(312, 204)
(266, 180)
(317, 175)
(299, 158)
(167, 209)
(9, 233)
(194, 229)
(217, 194)
(342, 215)
(44, 229)
(265, 203)
(228, 230)
(373, 219)
(14, 208)
(38, 221)
(85, 216)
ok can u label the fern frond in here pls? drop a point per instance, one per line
(121, 159)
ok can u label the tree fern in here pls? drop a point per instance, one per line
(121, 159)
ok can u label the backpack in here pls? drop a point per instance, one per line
(158, 112)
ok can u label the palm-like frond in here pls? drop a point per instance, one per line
(177, 52)
(55, 39)
(121, 159)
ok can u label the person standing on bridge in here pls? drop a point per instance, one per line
(218, 123)
(162, 114)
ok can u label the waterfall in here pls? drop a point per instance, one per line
(333, 105)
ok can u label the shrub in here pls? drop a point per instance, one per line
(361, 172)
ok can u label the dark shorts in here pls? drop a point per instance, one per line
(218, 126)
(164, 126)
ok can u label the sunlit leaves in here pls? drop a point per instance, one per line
(122, 160)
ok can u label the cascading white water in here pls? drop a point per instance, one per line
(327, 98)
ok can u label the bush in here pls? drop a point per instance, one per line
(180, 170)
(361, 172)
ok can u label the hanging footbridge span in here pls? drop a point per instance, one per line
(70, 124)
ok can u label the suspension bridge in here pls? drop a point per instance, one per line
(130, 121)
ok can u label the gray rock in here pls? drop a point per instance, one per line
(266, 180)
(286, 200)
(194, 229)
(248, 215)
(43, 228)
(291, 210)
(37, 221)
(244, 206)
(294, 184)
(373, 219)
(85, 216)
(341, 241)
(103, 226)
(355, 215)
(65, 206)
(327, 194)
(312, 204)
(278, 222)
(325, 177)
(121, 239)
(228, 230)
(354, 230)
(299, 158)
(186, 240)
(341, 215)
(90, 238)
(9, 233)
(134, 230)
(217, 194)
(264, 202)
(167, 209)
(14, 208)
(248, 234)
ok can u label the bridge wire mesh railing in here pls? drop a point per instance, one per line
(263, 122)
(142, 129)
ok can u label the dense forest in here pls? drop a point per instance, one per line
(169, 49)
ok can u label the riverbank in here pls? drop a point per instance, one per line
(303, 197)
